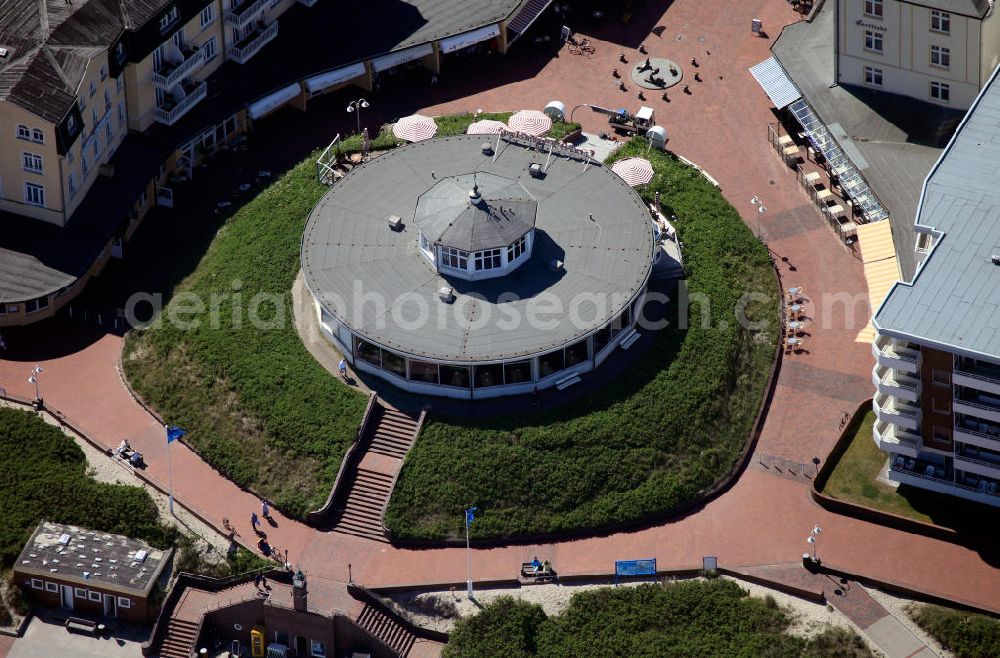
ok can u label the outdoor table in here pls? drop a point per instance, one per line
(796, 325)
(811, 177)
(835, 210)
(784, 140)
(794, 291)
(823, 194)
(795, 308)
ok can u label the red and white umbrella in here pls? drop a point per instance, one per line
(634, 171)
(415, 128)
(532, 122)
(486, 127)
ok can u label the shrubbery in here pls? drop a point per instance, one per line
(686, 620)
(966, 634)
(646, 442)
(43, 475)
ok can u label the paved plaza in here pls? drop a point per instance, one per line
(721, 126)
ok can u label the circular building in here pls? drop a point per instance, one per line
(457, 268)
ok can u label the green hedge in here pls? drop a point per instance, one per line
(966, 634)
(648, 441)
(686, 620)
(43, 475)
(256, 404)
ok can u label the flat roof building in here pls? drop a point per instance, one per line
(452, 269)
(937, 348)
(68, 567)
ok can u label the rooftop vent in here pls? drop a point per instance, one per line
(140, 555)
(487, 148)
(535, 170)
(995, 258)
(64, 539)
(3, 52)
(446, 294)
(395, 222)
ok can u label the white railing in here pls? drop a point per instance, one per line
(242, 54)
(194, 59)
(890, 438)
(241, 16)
(170, 115)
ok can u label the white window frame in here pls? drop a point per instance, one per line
(32, 162)
(35, 190)
(35, 305)
(207, 16)
(71, 124)
(71, 181)
(941, 57)
(37, 136)
(454, 258)
(23, 132)
(211, 50)
(94, 596)
(314, 645)
(873, 76)
(109, 130)
(82, 102)
(124, 602)
(79, 593)
(51, 587)
(517, 249)
(118, 84)
(36, 583)
(940, 91)
(488, 259)
(873, 41)
(940, 21)
(168, 18)
(873, 8)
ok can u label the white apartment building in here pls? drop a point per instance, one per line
(937, 346)
(940, 51)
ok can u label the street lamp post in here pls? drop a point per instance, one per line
(356, 107)
(812, 539)
(759, 204)
(33, 379)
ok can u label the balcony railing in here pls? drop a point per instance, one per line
(172, 73)
(888, 381)
(979, 371)
(993, 463)
(889, 353)
(892, 439)
(889, 410)
(170, 114)
(244, 50)
(244, 14)
(922, 469)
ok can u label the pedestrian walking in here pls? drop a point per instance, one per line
(257, 578)
(343, 368)
(254, 522)
(265, 510)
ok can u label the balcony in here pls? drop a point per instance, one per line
(244, 14)
(891, 353)
(889, 381)
(173, 109)
(977, 374)
(975, 432)
(892, 411)
(172, 72)
(244, 50)
(979, 404)
(972, 459)
(896, 440)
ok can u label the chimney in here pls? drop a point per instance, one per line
(299, 593)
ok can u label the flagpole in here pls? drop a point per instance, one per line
(468, 554)
(170, 471)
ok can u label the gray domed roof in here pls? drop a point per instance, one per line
(474, 212)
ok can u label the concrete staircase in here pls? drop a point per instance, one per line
(388, 435)
(179, 639)
(386, 630)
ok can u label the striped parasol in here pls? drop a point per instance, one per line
(532, 122)
(634, 171)
(486, 127)
(415, 128)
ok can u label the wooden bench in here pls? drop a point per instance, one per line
(566, 382)
(529, 575)
(78, 625)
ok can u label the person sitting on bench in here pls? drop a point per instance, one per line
(546, 567)
(135, 459)
(536, 565)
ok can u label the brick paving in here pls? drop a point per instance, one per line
(762, 519)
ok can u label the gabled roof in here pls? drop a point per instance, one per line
(966, 7)
(50, 43)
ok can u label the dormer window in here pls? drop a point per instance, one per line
(168, 18)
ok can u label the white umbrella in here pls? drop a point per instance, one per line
(486, 127)
(634, 171)
(415, 128)
(532, 122)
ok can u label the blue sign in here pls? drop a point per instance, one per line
(635, 567)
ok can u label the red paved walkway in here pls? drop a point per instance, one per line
(763, 519)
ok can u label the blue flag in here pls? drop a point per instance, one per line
(174, 433)
(470, 515)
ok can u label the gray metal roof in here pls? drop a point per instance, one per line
(449, 215)
(350, 254)
(88, 557)
(954, 300)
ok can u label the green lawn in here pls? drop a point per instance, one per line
(966, 634)
(683, 620)
(260, 409)
(648, 441)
